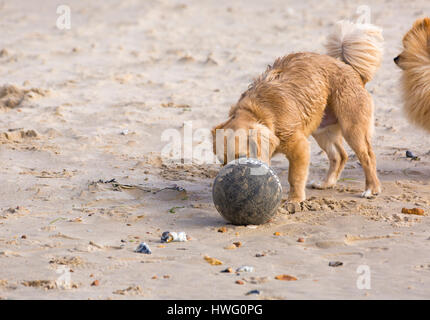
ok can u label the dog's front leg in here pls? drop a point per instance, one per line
(297, 152)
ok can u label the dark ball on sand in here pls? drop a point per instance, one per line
(247, 191)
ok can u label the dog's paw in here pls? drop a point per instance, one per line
(368, 194)
(293, 207)
(321, 185)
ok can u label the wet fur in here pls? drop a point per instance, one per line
(288, 103)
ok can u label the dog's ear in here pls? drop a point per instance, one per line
(216, 140)
(273, 141)
(267, 141)
(426, 26)
(420, 29)
(423, 24)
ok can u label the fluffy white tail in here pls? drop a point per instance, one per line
(357, 44)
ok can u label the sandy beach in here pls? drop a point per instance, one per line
(83, 181)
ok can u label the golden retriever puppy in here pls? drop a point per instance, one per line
(415, 63)
(305, 94)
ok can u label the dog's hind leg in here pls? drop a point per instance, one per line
(357, 131)
(331, 142)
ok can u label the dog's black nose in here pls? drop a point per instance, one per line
(396, 59)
